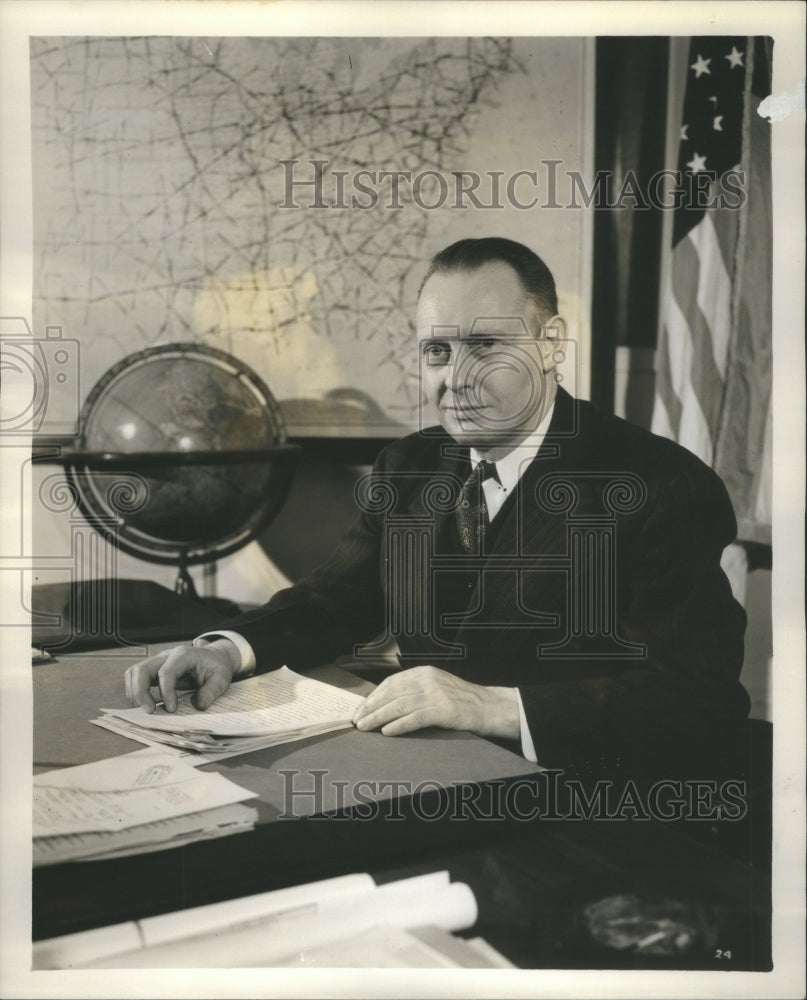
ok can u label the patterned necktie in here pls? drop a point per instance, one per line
(472, 511)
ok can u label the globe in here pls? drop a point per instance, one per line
(182, 455)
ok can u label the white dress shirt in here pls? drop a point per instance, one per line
(510, 469)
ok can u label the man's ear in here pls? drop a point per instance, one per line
(552, 342)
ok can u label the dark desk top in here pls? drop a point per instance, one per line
(70, 692)
(532, 878)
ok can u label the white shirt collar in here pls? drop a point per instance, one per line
(513, 465)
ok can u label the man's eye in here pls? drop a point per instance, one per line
(488, 344)
(436, 353)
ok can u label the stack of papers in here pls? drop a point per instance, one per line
(130, 804)
(265, 711)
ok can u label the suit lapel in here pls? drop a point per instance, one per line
(526, 528)
(453, 469)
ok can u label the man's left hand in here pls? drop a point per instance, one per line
(425, 696)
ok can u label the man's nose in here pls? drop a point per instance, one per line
(458, 369)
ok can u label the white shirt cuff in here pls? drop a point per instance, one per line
(527, 746)
(245, 651)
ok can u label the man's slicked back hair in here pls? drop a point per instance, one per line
(469, 255)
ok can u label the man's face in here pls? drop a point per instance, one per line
(481, 364)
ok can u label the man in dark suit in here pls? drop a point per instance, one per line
(551, 573)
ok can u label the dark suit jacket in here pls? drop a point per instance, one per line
(599, 595)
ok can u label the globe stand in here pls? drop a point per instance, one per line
(184, 585)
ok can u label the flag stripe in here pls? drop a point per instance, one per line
(726, 223)
(668, 422)
(680, 348)
(660, 422)
(706, 381)
(690, 425)
(714, 290)
(694, 428)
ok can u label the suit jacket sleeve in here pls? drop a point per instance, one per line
(323, 616)
(674, 598)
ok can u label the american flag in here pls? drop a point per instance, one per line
(714, 355)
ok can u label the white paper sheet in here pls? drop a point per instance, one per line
(145, 837)
(272, 703)
(197, 753)
(59, 809)
(141, 769)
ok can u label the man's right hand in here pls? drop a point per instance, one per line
(209, 668)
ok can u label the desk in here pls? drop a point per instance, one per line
(532, 877)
